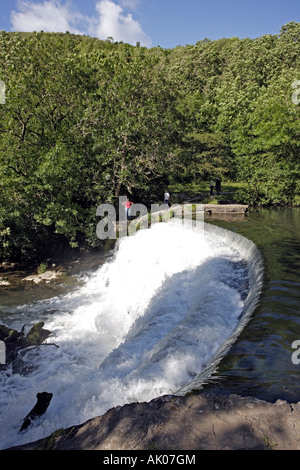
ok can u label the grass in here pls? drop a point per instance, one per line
(269, 444)
(49, 442)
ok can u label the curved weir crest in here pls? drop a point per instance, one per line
(155, 319)
(251, 254)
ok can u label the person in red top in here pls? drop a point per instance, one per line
(127, 204)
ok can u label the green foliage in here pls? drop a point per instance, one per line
(86, 121)
(42, 268)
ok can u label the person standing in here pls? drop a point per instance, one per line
(127, 204)
(211, 186)
(167, 198)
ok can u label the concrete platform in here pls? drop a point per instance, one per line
(228, 208)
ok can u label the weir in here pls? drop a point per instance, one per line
(155, 319)
(255, 264)
(141, 218)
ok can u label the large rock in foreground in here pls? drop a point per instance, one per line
(193, 422)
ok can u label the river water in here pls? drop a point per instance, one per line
(154, 316)
(260, 362)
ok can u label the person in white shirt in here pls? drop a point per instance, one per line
(166, 197)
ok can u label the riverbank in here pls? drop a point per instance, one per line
(61, 271)
(192, 422)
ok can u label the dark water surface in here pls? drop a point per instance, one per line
(260, 363)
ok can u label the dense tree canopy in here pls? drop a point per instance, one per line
(85, 121)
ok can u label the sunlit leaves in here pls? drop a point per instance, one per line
(86, 120)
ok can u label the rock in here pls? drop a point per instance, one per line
(4, 282)
(37, 334)
(9, 335)
(15, 342)
(192, 422)
(49, 275)
(43, 401)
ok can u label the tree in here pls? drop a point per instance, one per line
(268, 147)
(85, 121)
(41, 156)
(130, 121)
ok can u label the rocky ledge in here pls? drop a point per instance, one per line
(192, 422)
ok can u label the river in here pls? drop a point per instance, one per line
(152, 317)
(260, 362)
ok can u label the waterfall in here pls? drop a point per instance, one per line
(156, 318)
(251, 254)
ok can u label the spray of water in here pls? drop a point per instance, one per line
(154, 319)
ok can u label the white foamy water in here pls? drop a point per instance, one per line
(145, 324)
